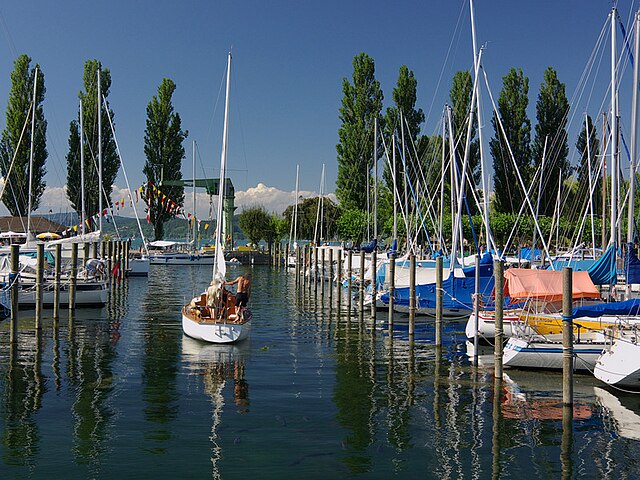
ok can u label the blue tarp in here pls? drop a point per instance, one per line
(531, 254)
(628, 307)
(458, 292)
(369, 246)
(603, 272)
(631, 265)
(486, 267)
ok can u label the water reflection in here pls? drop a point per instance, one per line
(216, 365)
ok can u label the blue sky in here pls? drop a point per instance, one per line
(289, 61)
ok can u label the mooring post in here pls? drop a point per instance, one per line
(103, 249)
(94, 249)
(39, 280)
(109, 258)
(339, 278)
(412, 294)
(74, 275)
(361, 289)
(14, 282)
(330, 279)
(350, 275)
(56, 285)
(374, 282)
(322, 277)
(498, 268)
(439, 287)
(392, 287)
(476, 311)
(567, 336)
(85, 257)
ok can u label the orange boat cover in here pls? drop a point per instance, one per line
(521, 283)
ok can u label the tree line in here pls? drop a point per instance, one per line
(26, 125)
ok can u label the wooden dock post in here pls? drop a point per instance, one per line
(476, 310)
(109, 248)
(74, 276)
(339, 279)
(94, 249)
(330, 279)
(567, 336)
(103, 249)
(361, 289)
(392, 287)
(39, 283)
(323, 271)
(56, 284)
(85, 257)
(439, 291)
(374, 284)
(498, 268)
(412, 294)
(350, 275)
(14, 282)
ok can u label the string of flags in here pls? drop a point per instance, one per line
(148, 193)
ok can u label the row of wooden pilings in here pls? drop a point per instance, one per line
(309, 256)
(115, 254)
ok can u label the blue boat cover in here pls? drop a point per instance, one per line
(631, 265)
(604, 272)
(369, 246)
(458, 292)
(531, 254)
(628, 307)
(486, 267)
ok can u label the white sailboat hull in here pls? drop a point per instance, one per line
(487, 324)
(522, 353)
(92, 295)
(619, 365)
(181, 259)
(138, 267)
(215, 332)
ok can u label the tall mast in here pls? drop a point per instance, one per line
(593, 231)
(634, 134)
(83, 211)
(194, 193)
(223, 168)
(483, 167)
(395, 188)
(375, 177)
(99, 153)
(614, 131)
(33, 134)
(295, 210)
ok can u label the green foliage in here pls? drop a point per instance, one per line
(512, 106)
(361, 104)
(307, 219)
(15, 145)
(552, 110)
(255, 223)
(110, 160)
(583, 169)
(274, 230)
(163, 148)
(352, 224)
(460, 96)
(404, 98)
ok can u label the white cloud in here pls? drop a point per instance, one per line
(272, 199)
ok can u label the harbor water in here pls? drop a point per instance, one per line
(120, 392)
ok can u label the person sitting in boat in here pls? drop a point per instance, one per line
(244, 290)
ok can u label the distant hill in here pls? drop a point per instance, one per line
(175, 229)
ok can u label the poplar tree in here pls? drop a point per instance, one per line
(361, 104)
(512, 108)
(163, 148)
(404, 98)
(460, 96)
(583, 169)
(552, 110)
(15, 145)
(110, 160)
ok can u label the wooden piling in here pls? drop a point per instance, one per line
(392, 287)
(374, 284)
(567, 336)
(74, 276)
(85, 257)
(109, 248)
(322, 275)
(56, 284)
(498, 268)
(350, 275)
(412, 294)
(339, 279)
(476, 311)
(94, 249)
(439, 291)
(39, 283)
(361, 289)
(330, 279)
(14, 282)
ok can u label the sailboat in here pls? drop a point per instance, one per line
(213, 316)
